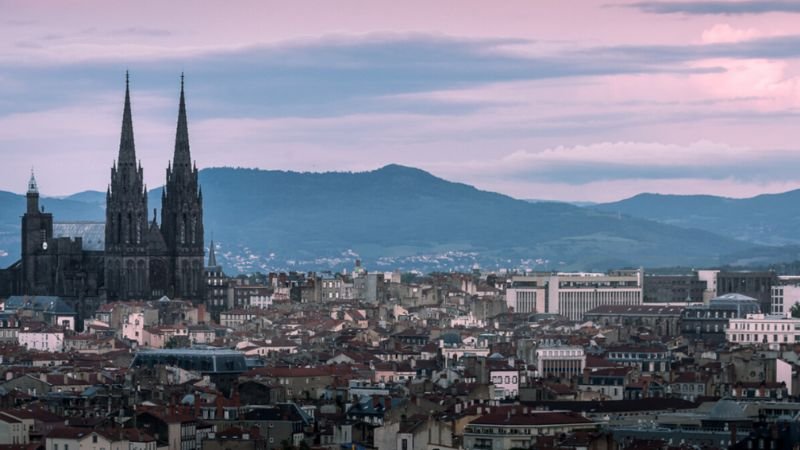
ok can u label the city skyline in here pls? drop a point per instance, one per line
(621, 98)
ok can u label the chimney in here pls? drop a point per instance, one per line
(201, 313)
(220, 412)
(480, 411)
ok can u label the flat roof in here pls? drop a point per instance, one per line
(191, 351)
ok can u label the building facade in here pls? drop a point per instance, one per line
(773, 329)
(573, 294)
(560, 361)
(785, 295)
(709, 322)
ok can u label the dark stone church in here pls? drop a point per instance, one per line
(131, 256)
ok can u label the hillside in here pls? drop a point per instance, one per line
(771, 219)
(400, 217)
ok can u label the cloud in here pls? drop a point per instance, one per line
(613, 190)
(350, 102)
(605, 161)
(723, 32)
(140, 31)
(718, 7)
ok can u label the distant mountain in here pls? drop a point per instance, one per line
(575, 203)
(94, 197)
(403, 218)
(771, 219)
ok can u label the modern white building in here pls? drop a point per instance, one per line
(526, 299)
(573, 294)
(773, 329)
(784, 297)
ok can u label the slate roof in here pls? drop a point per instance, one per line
(45, 303)
(93, 234)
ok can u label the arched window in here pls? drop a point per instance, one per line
(183, 230)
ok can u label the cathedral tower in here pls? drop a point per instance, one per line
(182, 216)
(37, 233)
(126, 256)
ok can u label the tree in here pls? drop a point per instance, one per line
(796, 310)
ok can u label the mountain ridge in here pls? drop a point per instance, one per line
(399, 217)
(765, 219)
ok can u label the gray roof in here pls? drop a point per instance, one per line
(741, 303)
(734, 298)
(93, 234)
(727, 410)
(46, 303)
(192, 351)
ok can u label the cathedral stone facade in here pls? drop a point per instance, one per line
(138, 258)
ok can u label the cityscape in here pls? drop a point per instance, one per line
(365, 231)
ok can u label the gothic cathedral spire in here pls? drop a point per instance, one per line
(126, 259)
(182, 159)
(182, 214)
(127, 148)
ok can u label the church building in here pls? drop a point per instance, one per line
(131, 256)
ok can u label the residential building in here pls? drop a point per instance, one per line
(38, 336)
(773, 329)
(708, 322)
(521, 428)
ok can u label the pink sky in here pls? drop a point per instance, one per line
(707, 106)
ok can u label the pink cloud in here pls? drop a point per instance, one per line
(724, 33)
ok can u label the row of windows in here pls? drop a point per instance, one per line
(708, 314)
(561, 353)
(764, 326)
(618, 355)
(761, 337)
(508, 379)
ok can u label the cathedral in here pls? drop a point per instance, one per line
(130, 256)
